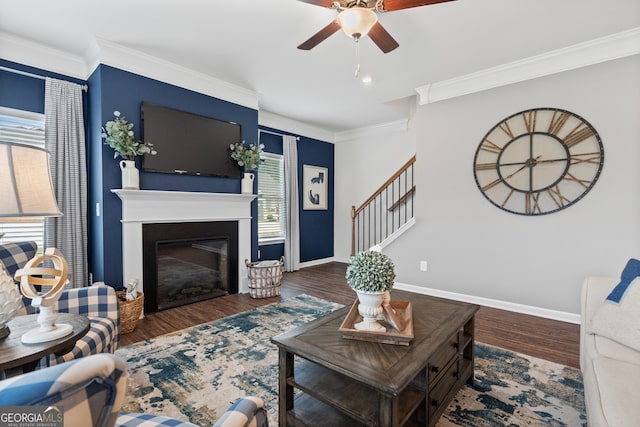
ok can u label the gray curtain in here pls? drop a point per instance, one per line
(292, 240)
(64, 138)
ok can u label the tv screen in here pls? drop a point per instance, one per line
(187, 143)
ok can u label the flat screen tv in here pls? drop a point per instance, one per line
(188, 144)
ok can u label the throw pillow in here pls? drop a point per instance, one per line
(620, 321)
(630, 272)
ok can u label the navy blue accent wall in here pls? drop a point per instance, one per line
(113, 89)
(316, 227)
(24, 92)
(124, 92)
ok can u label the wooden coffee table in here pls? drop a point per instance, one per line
(343, 382)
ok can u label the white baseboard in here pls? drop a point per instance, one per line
(316, 262)
(487, 302)
(503, 305)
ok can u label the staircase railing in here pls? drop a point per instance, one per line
(385, 211)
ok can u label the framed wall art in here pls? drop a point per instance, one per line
(315, 188)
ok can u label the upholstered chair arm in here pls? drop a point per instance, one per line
(247, 412)
(88, 391)
(98, 300)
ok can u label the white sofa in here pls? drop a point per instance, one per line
(611, 371)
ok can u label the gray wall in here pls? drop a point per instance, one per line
(476, 249)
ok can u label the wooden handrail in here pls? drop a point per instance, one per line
(354, 211)
(377, 193)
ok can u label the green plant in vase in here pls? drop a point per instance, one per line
(248, 158)
(118, 134)
(371, 274)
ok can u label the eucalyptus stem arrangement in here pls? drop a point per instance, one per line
(247, 156)
(118, 134)
(370, 271)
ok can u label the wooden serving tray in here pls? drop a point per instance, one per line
(398, 313)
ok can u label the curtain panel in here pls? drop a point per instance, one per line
(65, 140)
(292, 238)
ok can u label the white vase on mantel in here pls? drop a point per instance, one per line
(247, 183)
(130, 175)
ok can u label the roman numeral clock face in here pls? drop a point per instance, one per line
(538, 161)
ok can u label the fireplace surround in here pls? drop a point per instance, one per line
(140, 207)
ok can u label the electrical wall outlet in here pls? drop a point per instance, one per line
(423, 265)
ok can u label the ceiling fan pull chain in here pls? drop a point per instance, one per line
(357, 58)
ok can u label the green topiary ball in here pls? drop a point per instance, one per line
(370, 271)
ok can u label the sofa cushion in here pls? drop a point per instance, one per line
(620, 321)
(617, 382)
(614, 350)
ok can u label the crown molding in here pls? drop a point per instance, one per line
(37, 55)
(608, 48)
(397, 126)
(134, 61)
(275, 121)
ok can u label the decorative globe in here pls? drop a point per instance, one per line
(52, 277)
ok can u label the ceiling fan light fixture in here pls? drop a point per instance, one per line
(357, 21)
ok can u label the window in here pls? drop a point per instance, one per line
(25, 128)
(271, 203)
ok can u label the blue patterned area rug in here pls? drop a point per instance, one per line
(194, 374)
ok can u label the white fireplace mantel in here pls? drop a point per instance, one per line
(151, 206)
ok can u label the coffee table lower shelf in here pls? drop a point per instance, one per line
(325, 391)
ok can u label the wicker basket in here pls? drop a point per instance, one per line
(129, 311)
(265, 278)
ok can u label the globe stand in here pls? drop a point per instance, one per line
(30, 276)
(48, 330)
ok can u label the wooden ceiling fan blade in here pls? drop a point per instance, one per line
(382, 38)
(320, 36)
(322, 3)
(390, 5)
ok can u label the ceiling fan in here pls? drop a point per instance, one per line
(357, 18)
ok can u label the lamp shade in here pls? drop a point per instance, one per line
(357, 21)
(25, 182)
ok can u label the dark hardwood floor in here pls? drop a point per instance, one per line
(547, 339)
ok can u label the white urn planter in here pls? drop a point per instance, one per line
(370, 308)
(130, 175)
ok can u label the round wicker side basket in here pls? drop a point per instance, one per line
(129, 311)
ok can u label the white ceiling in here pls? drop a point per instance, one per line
(252, 44)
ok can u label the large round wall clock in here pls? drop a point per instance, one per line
(538, 161)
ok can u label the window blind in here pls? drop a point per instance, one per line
(23, 128)
(271, 212)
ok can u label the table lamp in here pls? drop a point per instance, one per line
(26, 191)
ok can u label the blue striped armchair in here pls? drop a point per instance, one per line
(98, 302)
(89, 392)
